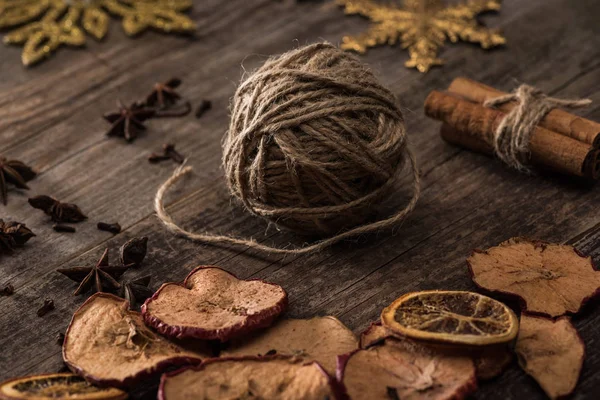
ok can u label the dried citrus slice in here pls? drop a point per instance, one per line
(53, 386)
(551, 352)
(272, 377)
(451, 317)
(551, 279)
(109, 345)
(213, 304)
(403, 369)
(320, 339)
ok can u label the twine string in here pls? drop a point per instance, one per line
(391, 221)
(513, 135)
(315, 142)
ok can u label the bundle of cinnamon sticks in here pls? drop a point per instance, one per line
(562, 141)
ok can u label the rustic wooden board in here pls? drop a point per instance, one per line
(50, 118)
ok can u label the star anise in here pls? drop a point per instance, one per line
(16, 173)
(134, 251)
(99, 278)
(164, 94)
(13, 234)
(168, 153)
(128, 122)
(60, 212)
(136, 291)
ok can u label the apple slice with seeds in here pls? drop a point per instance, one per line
(213, 304)
(53, 386)
(551, 352)
(403, 369)
(109, 345)
(550, 279)
(490, 361)
(320, 339)
(451, 317)
(271, 377)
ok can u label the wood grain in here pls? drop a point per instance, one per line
(50, 116)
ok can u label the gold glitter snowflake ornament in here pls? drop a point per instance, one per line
(42, 26)
(422, 27)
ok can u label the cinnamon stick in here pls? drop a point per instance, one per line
(473, 126)
(557, 120)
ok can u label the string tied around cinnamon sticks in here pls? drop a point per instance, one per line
(513, 135)
(559, 141)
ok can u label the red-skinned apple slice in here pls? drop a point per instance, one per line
(320, 339)
(402, 369)
(213, 304)
(552, 352)
(109, 345)
(490, 361)
(271, 377)
(549, 279)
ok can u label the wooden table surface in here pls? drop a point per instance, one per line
(50, 117)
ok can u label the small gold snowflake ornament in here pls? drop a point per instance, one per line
(421, 26)
(42, 26)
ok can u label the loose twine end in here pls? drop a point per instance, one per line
(215, 239)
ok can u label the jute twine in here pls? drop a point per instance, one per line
(314, 145)
(513, 135)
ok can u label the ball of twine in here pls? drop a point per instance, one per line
(314, 145)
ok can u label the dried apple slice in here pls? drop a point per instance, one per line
(272, 377)
(551, 352)
(375, 334)
(109, 345)
(454, 317)
(402, 369)
(490, 361)
(52, 386)
(551, 279)
(213, 304)
(320, 339)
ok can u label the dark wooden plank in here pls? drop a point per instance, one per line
(468, 200)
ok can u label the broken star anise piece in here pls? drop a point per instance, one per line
(60, 212)
(100, 277)
(13, 234)
(128, 122)
(168, 153)
(550, 279)
(16, 173)
(134, 251)
(136, 291)
(164, 94)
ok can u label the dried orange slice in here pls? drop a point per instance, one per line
(455, 317)
(54, 386)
